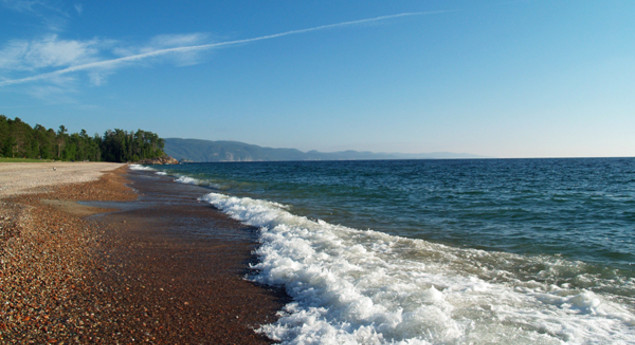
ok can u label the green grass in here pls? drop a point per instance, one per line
(23, 160)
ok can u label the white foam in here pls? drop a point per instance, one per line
(187, 180)
(161, 173)
(198, 182)
(366, 287)
(140, 167)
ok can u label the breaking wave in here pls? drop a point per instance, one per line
(353, 286)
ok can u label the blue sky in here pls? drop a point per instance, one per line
(499, 79)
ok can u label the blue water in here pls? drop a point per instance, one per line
(583, 209)
(566, 223)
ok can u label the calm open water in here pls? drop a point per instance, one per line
(439, 251)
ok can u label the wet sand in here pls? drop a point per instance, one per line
(163, 268)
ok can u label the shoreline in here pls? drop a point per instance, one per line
(160, 267)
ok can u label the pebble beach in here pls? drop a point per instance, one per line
(160, 269)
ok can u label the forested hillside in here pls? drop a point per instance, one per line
(196, 150)
(19, 140)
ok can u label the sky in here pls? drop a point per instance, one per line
(491, 78)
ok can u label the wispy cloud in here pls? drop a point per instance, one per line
(35, 7)
(49, 51)
(74, 54)
(53, 17)
(169, 41)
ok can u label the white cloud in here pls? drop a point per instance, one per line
(94, 56)
(75, 56)
(175, 40)
(183, 58)
(47, 52)
(79, 8)
(24, 6)
(53, 15)
(160, 42)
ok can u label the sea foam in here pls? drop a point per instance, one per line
(187, 180)
(366, 287)
(184, 179)
(140, 167)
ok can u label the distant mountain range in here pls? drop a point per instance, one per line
(197, 150)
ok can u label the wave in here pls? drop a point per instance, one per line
(184, 179)
(140, 167)
(188, 180)
(367, 287)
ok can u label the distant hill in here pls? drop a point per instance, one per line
(197, 150)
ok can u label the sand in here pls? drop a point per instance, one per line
(21, 178)
(157, 268)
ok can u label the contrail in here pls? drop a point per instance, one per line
(114, 62)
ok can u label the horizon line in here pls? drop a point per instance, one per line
(475, 156)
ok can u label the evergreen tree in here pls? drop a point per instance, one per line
(45, 142)
(4, 136)
(18, 139)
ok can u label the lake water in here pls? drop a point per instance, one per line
(514, 251)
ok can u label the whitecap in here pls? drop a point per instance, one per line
(140, 167)
(366, 287)
(187, 180)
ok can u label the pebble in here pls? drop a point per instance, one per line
(66, 280)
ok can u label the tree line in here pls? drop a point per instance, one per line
(19, 140)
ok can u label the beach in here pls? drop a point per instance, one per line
(140, 260)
